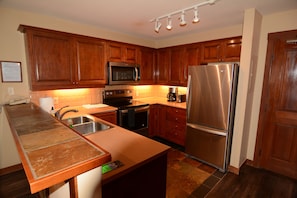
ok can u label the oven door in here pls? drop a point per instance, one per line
(135, 119)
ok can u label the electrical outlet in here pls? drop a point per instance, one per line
(10, 91)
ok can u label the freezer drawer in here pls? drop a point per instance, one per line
(206, 147)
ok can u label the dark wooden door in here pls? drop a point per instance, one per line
(277, 133)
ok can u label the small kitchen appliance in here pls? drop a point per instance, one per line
(171, 96)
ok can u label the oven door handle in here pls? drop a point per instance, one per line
(136, 109)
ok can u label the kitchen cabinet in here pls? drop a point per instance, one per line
(192, 57)
(121, 52)
(175, 125)
(163, 65)
(153, 126)
(176, 70)
(59, 60)
(168, 123)
(147, 65)
(223, 50)
(107, 116)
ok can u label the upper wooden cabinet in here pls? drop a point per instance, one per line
(176, 68)
(163, 65)
(90, 62)
(192, 57)
(223, 50)
(121, 52)
(58, 60)
(147, 65)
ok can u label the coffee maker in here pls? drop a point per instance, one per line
(171, 96)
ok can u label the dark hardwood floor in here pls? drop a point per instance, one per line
(253, 182)
(15, 185)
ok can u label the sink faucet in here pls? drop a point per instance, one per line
(58, 114)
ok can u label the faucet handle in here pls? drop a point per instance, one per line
(57, 113)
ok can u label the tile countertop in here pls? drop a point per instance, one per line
(50, 152)
(163, 101)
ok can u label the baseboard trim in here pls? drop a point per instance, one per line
(11, 169)
(233, 169)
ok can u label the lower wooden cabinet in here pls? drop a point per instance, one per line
(107, 116)
(168, 123)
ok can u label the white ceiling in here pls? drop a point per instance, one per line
(133, 16)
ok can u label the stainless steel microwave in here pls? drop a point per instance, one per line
(123, 73)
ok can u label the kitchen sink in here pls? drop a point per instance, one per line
(77, 120)
(85, 125)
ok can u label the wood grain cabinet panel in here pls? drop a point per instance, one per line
(163, 65)
(147, 65)
(58, 60)
(223, 50)
(176, 125)
(121, 52)
(107, 116)
(168, 123)
(91, 62)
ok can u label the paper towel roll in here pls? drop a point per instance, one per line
(46, 103)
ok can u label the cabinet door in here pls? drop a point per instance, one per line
(163, 64)
(91, 62)
(147, 66)
(154, 120)
(176, 65)
(162, 121)
(232, 49)
(120, 52)
(211, 51)
(107, 116)
(192, 57)
(115, 52)
(50, 57)
(130, 54)
(176, 125)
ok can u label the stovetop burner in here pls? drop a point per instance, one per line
(122, 99)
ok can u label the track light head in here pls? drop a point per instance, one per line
(157, 25)
(169, 23)
(196, 18)
(182, 19)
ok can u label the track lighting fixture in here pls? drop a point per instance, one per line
(169, 23)
(196, 19)
(182, 19)
(157, 25)
(182, 12)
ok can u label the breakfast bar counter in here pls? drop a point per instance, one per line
(49, 151)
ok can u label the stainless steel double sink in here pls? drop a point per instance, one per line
(86, 124)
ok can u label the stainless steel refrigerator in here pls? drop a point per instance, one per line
(210, 112)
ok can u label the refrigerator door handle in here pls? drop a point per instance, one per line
(208, 130)
(188, 99)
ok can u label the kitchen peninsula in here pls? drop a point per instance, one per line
(37, 134)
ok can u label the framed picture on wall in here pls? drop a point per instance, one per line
(11, 71)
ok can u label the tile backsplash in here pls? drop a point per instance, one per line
(77, 97)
